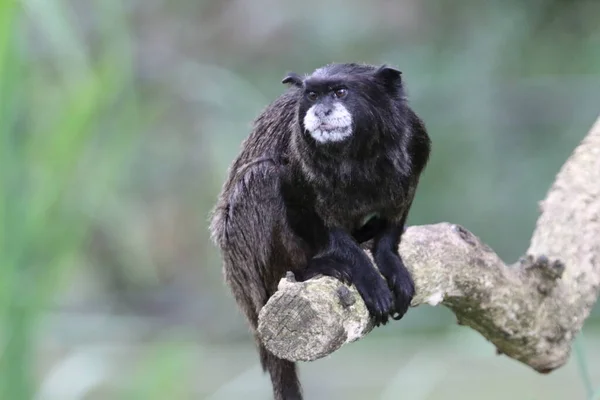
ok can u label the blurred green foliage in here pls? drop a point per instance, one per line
(118, 120)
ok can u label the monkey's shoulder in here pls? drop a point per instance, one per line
(259, 178)
(278, 116)
(249, 199)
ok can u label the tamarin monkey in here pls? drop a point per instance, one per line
(330, 167)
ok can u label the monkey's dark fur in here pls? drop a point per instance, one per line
(294, 203)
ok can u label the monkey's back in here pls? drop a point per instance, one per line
(249, 222)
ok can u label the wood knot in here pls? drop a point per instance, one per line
(346, 297)
(470, 239)
(464, 234)
(551, 270)
(290, 277)
(547, 272)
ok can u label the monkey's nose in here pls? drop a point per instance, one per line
(324, 112)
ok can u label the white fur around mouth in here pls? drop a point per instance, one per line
(331, 135)
(334, 127)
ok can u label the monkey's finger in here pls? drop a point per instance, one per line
(384, 319)
(401, 304)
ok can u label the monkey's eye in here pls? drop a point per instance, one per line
(312, 96)
(339, 93)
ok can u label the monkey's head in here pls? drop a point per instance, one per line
(346, 103)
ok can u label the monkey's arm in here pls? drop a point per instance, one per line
(530, 311)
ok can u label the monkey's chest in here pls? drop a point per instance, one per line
(352, 206)
(347, 194)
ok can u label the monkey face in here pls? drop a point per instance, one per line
(343, 103)
(327, 119)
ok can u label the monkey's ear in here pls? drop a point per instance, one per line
(388, 75)
(293, 79)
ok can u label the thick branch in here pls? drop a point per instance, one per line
(531, 311)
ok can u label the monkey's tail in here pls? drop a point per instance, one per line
(284, 375)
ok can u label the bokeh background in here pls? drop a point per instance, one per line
(118, 120)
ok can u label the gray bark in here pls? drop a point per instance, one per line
(531, 311)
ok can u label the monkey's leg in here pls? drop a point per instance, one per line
(345, 260)
(391, 266)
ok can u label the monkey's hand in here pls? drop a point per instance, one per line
(392, 267)
(347, 262)
(399, 280)
(370, 285)
(375, 293)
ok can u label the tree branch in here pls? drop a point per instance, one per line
(531, 310)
